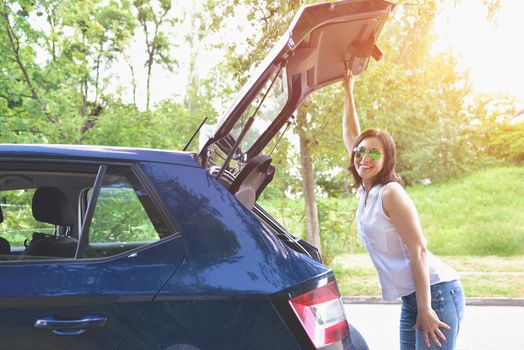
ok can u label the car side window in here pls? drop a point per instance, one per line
(124, 216)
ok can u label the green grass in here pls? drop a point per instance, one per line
(480, 214)
(488, 276)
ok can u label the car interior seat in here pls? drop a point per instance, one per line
(50, 205)
(5, 247)
(252, 180)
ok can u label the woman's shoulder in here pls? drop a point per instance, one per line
(392, 187)
(395, 199)
(393, 192)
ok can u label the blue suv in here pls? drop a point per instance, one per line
(125, 248)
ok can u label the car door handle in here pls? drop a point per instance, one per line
(70, 327)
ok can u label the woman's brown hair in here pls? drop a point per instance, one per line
(387, 174)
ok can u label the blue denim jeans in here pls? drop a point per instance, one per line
(447, 299)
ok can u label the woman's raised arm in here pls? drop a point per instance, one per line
(350, 124)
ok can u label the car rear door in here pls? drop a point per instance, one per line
(89, 301)
(322, 41)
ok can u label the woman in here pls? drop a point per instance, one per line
(432, 296)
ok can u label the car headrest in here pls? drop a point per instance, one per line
(252, 180)
(51, 205)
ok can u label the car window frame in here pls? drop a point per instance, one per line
(44, 164)
(87, 217)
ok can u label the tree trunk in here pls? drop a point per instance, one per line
(308, 183)
(15, 47)
(83, 91)
(148, 81)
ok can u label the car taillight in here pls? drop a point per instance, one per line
(321, 313)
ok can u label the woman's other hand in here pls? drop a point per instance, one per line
(430, 324)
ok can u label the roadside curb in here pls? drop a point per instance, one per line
(469, 301)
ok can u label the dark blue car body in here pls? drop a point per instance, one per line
(221, 280)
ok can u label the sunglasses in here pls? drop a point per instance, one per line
(374, 154)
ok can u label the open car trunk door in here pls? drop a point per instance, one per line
(321, 41)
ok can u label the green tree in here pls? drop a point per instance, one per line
(54, 52)
(499, 135)
(153, 16)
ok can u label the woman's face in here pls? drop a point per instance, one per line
(366, 167)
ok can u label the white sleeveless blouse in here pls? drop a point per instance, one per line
(388, 252)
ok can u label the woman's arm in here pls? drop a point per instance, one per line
(403, 214)
(350, 124)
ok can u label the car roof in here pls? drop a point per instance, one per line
(91, 152)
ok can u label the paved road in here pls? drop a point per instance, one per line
(484, 327)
